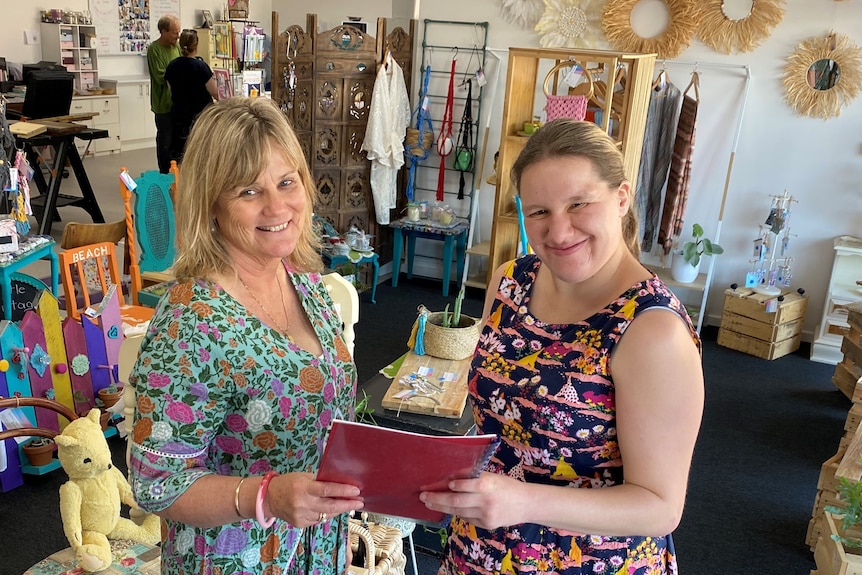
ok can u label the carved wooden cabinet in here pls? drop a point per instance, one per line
(323, 82)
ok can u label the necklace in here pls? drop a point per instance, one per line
(265, 311)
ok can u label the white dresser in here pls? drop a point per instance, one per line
(138, 124)
(843, 290)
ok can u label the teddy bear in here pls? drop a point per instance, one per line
(90, 500)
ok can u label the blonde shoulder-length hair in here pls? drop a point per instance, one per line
(228, 148)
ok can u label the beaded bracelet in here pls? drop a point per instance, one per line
(236, 497)
(261, 496)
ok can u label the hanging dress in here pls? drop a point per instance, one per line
(547, 391)
(662, 117)
(675, 198)
(388, 119)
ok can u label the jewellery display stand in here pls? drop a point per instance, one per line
(772, 264)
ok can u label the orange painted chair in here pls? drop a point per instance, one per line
(92, 268)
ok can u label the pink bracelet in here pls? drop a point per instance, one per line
(261, 496)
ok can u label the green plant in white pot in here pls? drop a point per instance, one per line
(686, 262)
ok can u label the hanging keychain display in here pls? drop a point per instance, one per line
(464, 152)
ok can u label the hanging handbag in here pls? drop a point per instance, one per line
(569, 105)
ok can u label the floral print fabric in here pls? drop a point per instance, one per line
(219, 392)
(547, 391)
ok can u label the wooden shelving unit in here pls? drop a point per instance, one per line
(623, 116)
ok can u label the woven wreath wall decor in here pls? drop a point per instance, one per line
(729, 36)
(570, 23)
(823, 75)
(523, 13)
(683, 19)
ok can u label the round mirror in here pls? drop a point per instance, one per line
(737, 10)
(823, 74)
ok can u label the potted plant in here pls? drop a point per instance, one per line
(110, 395)
(445, 334)
(685, 264)
(39, 451)
(841, 542)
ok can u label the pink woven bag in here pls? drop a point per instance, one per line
(568, 105)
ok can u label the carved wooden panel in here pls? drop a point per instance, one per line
(302, 105)
(353, 153)
(328, 95)
(329, 190)
(345, 67)
(327, 146)
(362, 220)
(345, 39)
(304, 71)
(331, 217)
(357, 190)
(305, 143)
(358, 99)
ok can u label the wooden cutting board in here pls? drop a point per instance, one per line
(449, 402)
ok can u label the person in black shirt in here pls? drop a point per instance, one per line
(193, 88)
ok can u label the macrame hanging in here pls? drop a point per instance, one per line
(444, 140)
(464, 152)
(418, 140)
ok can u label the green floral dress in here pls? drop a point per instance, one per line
(220, 392)
(547, 390)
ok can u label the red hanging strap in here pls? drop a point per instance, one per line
(444, 140)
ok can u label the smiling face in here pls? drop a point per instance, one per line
(572, 217)
(264, 219)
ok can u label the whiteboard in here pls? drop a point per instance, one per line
(128, 26)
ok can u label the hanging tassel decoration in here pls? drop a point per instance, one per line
(419, 348)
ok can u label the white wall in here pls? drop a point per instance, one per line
(819, 162)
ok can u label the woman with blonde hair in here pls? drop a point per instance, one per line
(589, 369)
(244, 366)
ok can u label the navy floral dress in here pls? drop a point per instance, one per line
(219, 392)
(547, 391)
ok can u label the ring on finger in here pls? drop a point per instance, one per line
(322, 517)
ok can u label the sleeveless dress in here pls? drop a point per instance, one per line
(546, 390)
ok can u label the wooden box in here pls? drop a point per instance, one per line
(830, 555)
(747, 326)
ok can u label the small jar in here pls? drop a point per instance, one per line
(413, 212)
(423, 210)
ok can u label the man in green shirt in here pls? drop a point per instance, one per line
(159, 55)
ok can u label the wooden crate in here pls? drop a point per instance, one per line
(746, 326)
(827, 479)
(830, 555)
(757, 347)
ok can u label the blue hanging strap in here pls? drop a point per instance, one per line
(416, 152)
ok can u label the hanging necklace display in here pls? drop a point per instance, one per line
(444, 140)
(7, 142)
(289, 74)
(772, 263)
(464, 152)
(417, 142)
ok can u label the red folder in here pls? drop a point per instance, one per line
(392, 467)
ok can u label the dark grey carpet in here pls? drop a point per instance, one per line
(767, 428)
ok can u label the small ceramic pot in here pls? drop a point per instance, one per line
(109, 398)
(39, 455)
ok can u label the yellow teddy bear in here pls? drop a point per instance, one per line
(90, 500)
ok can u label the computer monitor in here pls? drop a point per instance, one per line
(49, 94)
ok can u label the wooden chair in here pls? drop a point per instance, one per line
(343, 294)
(78, 282)
(76, 234)
(150, 228)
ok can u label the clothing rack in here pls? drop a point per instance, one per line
(696, 66)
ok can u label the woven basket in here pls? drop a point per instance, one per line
(451, 342)
(384, 549)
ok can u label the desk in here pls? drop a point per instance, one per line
(333, 260)
(454, 238)
(130, 558)
(30, 249)
(62, 140)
